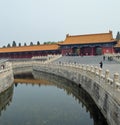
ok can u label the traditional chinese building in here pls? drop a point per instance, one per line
(90, 44)
(29, 51)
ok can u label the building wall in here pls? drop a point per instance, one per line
(66, 51)
(28, 54)
(107, 50)
(88, 49)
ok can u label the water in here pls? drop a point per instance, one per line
(43, 102)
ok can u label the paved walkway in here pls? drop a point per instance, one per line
(112, 66)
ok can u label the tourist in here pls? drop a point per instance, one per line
(103, 58)
(101, 64)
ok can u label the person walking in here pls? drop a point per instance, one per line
(101, 64)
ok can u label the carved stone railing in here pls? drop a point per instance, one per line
(94, 73)
(47, 59)
(104, 90)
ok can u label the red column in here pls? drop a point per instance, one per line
(92, 51)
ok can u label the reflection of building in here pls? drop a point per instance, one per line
(90, 44)
(5, 98)
(77, 92)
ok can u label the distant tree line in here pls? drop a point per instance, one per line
(19, 44)
(25, 44)
(49, 42)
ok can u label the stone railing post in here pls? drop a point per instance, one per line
(100, 73)
(83, 67)
(107, 74)
(91, 71)
(95, 69)
(115, 80)
(87, 67)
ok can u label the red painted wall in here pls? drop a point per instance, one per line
(66, 51)
(107, 50)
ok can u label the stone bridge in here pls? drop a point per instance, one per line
(104, 90)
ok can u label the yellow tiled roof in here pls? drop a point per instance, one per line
(30, 48)
(89, 38)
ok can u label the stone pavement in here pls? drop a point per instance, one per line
(112, 66)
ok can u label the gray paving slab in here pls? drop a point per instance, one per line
(112, 66)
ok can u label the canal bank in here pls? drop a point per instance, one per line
(6, 76)
(50, 99)
(102, 89)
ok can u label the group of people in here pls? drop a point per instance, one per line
(109, 58)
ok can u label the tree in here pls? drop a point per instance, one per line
(31, 43)
(118, 36)
(4, 46)
(49, 42)
(25, 44)
(45, 43)
(38, 43)
(8, 45)
(14, 44)
(19, 44)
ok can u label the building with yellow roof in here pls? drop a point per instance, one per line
(29, 51)
(89, 44)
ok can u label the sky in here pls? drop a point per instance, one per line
(25, 21)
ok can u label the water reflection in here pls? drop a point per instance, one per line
(43, 99)
(5, 99)
(69, 87)
(78, 94)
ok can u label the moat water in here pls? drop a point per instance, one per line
(47, 100)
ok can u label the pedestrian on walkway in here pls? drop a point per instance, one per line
(101, 64)
(103, 58)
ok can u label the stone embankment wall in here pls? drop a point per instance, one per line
(22, 67)
(104, 90)
(25, 65)
(6, 76)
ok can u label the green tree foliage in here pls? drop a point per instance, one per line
(14, 44)
(25, 44)
(31, 43)
(118, 36)
(8, 45)
(49, 42)
(19, 44)
(38, 43)
(4, 46)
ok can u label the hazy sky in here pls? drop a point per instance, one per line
(50, 20)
